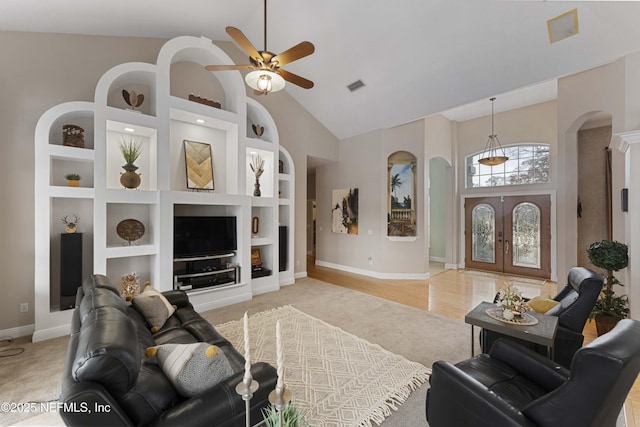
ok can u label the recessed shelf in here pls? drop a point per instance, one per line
(130, 251)
(71, 192)
(190, 110)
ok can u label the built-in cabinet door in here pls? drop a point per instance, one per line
(509, 234)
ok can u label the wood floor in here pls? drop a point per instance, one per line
(453, 293)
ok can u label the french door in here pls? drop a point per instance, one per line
(509, 234)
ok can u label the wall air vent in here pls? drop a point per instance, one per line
(355, 85)
(563, 26)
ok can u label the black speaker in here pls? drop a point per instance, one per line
(284, 248)
(70, 264)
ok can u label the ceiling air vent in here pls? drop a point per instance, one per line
(355, 85)
(563, 26)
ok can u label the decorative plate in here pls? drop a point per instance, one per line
(130, 230)
(525, 319)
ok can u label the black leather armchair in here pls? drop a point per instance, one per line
(515, 386)
(576, 302)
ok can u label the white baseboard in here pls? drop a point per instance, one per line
(271, 287)
(375, 274)
(210, 305)
(451, 266)
(300, 275)
(437, 259)
(47, 334)
(20, 331)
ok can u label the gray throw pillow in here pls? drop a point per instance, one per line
(154, 307)
(192, 368)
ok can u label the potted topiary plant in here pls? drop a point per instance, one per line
(610, 308)
(73, 179)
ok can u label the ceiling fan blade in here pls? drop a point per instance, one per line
(295, 79)
(228, 67)
(296, 52)
(244, 43)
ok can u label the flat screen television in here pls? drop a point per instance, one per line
(195, 236)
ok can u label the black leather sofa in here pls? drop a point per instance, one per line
(108, 381)
(576, 299)
(515, 386)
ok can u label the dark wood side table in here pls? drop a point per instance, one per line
(544, 332)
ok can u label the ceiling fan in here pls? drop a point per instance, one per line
(267, 75)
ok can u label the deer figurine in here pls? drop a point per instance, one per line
(71, 226)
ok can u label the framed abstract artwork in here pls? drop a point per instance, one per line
(199, 165)
(344, 211)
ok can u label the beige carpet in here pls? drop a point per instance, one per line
(415, 334)
(336, 378)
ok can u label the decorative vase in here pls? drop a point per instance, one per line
(256, 188)
(507, 314)
(130, 178)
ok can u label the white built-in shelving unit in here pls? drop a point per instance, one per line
(161, 124)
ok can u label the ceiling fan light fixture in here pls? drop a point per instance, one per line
(264, 81)
(493, 154)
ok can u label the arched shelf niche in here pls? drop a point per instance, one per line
(202, 51)
(132, 76)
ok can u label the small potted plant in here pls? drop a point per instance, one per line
(292, 416)
(130, 150)
(610, 308)
(73, 179)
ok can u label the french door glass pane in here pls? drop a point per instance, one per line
(483, 224)
(526, 236)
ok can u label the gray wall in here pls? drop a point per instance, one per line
(363, 165)
(437, 209)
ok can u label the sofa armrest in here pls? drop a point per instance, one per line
(530, 364)
(177, 297)
(221, 405)
(456, 399)
(88, 403)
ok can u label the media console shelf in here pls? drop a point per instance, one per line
(208, 271)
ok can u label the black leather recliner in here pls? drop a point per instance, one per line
(107, 381)
(515, 386)
(576, 302)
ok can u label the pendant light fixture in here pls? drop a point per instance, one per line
(493, 154)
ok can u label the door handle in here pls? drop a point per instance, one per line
(506, 247)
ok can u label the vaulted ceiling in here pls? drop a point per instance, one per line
(415, 57)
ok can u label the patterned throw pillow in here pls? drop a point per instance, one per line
(192, 368)
(154, 307)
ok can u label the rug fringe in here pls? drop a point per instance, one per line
(397, 398)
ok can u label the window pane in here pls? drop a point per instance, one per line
(527, 164)
(526, 236)
(483, 219)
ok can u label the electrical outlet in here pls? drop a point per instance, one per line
(24, 307)
(370, 259)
